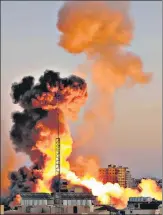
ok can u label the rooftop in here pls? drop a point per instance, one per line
(27, 195)
(72, 195)
(107, 208)
(64, 196)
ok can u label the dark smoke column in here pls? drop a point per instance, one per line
(24, 133)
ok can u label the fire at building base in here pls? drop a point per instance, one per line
(81, 203)
(49, 105)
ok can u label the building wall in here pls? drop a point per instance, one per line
(22, 209)
(103, 212)
(50, 202)
(103, 175)
(112, 174)
(128, 179)
(76, 189)
(36, 209)
(80, 209)
(2, 209)
(121, 175)
(115, 174)
(139, 212)
(30, 202)
(83, 202)
(158, 212)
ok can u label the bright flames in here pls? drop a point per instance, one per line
(102, 32)
(106, 193)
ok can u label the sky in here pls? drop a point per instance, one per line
(29, 46)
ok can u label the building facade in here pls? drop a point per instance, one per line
(47, 203)
(142, 205)
(121, 176)
(112, 174)
(116, 174)
(129, 180)
(103, 175)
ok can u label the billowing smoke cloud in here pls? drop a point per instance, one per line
(23, 180)
(102, 31)
(27, 95)
(40, 103)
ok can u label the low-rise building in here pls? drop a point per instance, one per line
(47, 203)
(142, 205)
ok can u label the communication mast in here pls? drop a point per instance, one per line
(57, 160)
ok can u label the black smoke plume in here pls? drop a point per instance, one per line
(23, 129)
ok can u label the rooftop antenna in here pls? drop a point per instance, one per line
(57, 158)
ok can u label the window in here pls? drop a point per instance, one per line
(136, 205)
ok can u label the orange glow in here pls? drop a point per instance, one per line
(8, 165)
(106, 193)
(102, 33)
(16, 201)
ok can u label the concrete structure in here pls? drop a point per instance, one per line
(121, 175)
(159, 210)
(47, 203)
(134, 183)
(142, 206)
(103, 175)
(129, 181)
(1, 209)
(36, 203)
(77, 202)
(116, 174)
(112, 174)
(76, 189)
(30, 199)
(108, 174)
(139, 212)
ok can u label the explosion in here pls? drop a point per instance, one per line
(102, 32)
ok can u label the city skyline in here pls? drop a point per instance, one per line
(29, 46)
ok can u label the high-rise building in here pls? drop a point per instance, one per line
(112, 174)
(103, 175)
(129, 180)
(116, 174)
(121, 175)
